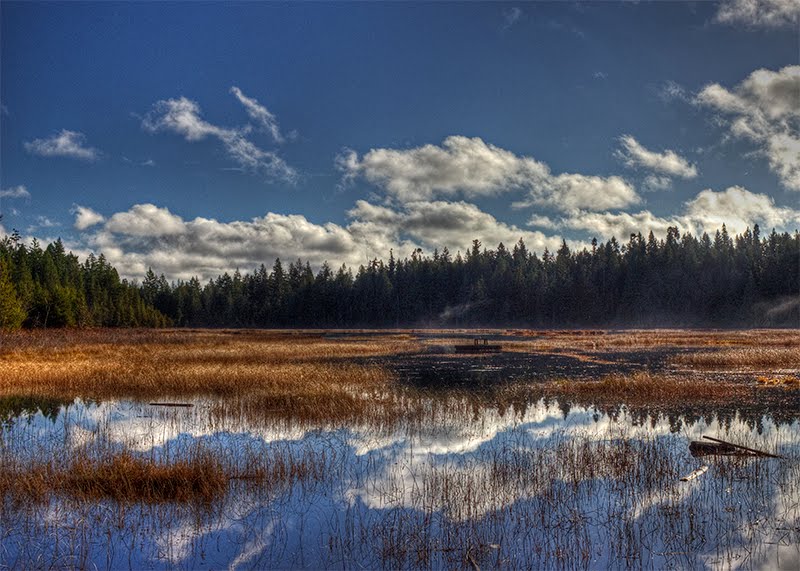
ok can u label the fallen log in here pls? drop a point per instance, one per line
(697, 448)
(181, 404)
(752, 450)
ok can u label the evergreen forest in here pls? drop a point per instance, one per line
(681, 280)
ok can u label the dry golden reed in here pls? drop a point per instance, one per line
(647, 339)
(122, 477)
(103, 364)
(744, 358)
(646, 387)
(328, 376)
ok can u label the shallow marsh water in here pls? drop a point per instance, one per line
(530, 485)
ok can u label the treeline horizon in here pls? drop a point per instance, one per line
(679, 281)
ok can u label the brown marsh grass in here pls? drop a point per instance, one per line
(648, 388)
(317, 376)
(192, 475)
(645, 339)
(283, 366)
(786, 357)
(122, 477)
(125, 477)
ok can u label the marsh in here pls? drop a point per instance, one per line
(383, 449)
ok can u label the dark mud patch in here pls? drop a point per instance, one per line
(439, 370)
(434, 370)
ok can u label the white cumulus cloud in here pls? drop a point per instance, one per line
(147, 235)
(736, 207)
(184, 117)
(670, 163)
(150, 236)
(440, 224)
(85, 217)
(473, 168)
(760, 13)
(146, 220)
(64, 144)
(764, 109)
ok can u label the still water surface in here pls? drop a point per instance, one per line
(542, 486)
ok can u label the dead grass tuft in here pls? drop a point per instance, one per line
(125, 478)
(122, 477)
(744, 358)
(647, 387)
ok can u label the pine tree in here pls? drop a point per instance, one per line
(12, 314)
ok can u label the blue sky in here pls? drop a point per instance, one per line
(198, 138)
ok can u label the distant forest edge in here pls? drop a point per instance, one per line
(748, 280)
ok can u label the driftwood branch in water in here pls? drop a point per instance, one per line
(699, 472)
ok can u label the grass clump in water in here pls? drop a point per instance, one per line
(121, 477)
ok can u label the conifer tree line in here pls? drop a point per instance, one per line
(51, 288)
(681, 280)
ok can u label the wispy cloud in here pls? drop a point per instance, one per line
(671, 90)
(18, 191)
(145, 163)
(42, 222)
(183, 117)
(653, 183)
(260, 114)
(634, 155)
(510, 17)
(66, 143)
(45, 222)
(769, 14)
(14, 192)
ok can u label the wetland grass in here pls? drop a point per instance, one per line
(284, 366)
(121, 477)
(305, 449)
(127, 478)
(646, 387)
(744, 358)
(189, 475)
(649, 339)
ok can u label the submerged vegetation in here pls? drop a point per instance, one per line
(746, 280)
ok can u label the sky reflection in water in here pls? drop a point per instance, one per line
(535, 488)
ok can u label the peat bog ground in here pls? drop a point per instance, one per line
(387, 449)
